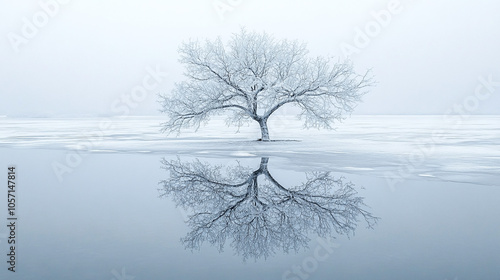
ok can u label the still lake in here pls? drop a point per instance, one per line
(382, 197)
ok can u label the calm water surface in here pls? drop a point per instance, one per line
(237, 211)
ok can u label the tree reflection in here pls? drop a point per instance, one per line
(258, 214)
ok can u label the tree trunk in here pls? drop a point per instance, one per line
(264, 130)
(263, 163)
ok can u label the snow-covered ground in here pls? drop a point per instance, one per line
(452, 148)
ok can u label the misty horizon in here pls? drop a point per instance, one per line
(88, 59)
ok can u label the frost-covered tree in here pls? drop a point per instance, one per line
(254, 75)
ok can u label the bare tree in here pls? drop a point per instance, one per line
(260, 216)
(254, 75)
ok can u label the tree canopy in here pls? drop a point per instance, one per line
(252, 76)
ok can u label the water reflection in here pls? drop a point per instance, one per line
(259, 215)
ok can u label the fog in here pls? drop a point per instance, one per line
(86, 58)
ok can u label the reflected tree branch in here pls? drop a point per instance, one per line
(258, 214)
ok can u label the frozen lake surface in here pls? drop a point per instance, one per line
(97, 199)
(451, 148)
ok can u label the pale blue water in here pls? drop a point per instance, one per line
(102, 218)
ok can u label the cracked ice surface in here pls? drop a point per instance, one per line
(455, 148)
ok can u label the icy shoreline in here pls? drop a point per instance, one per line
(408, 147)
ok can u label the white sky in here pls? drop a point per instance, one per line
(91, 53)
